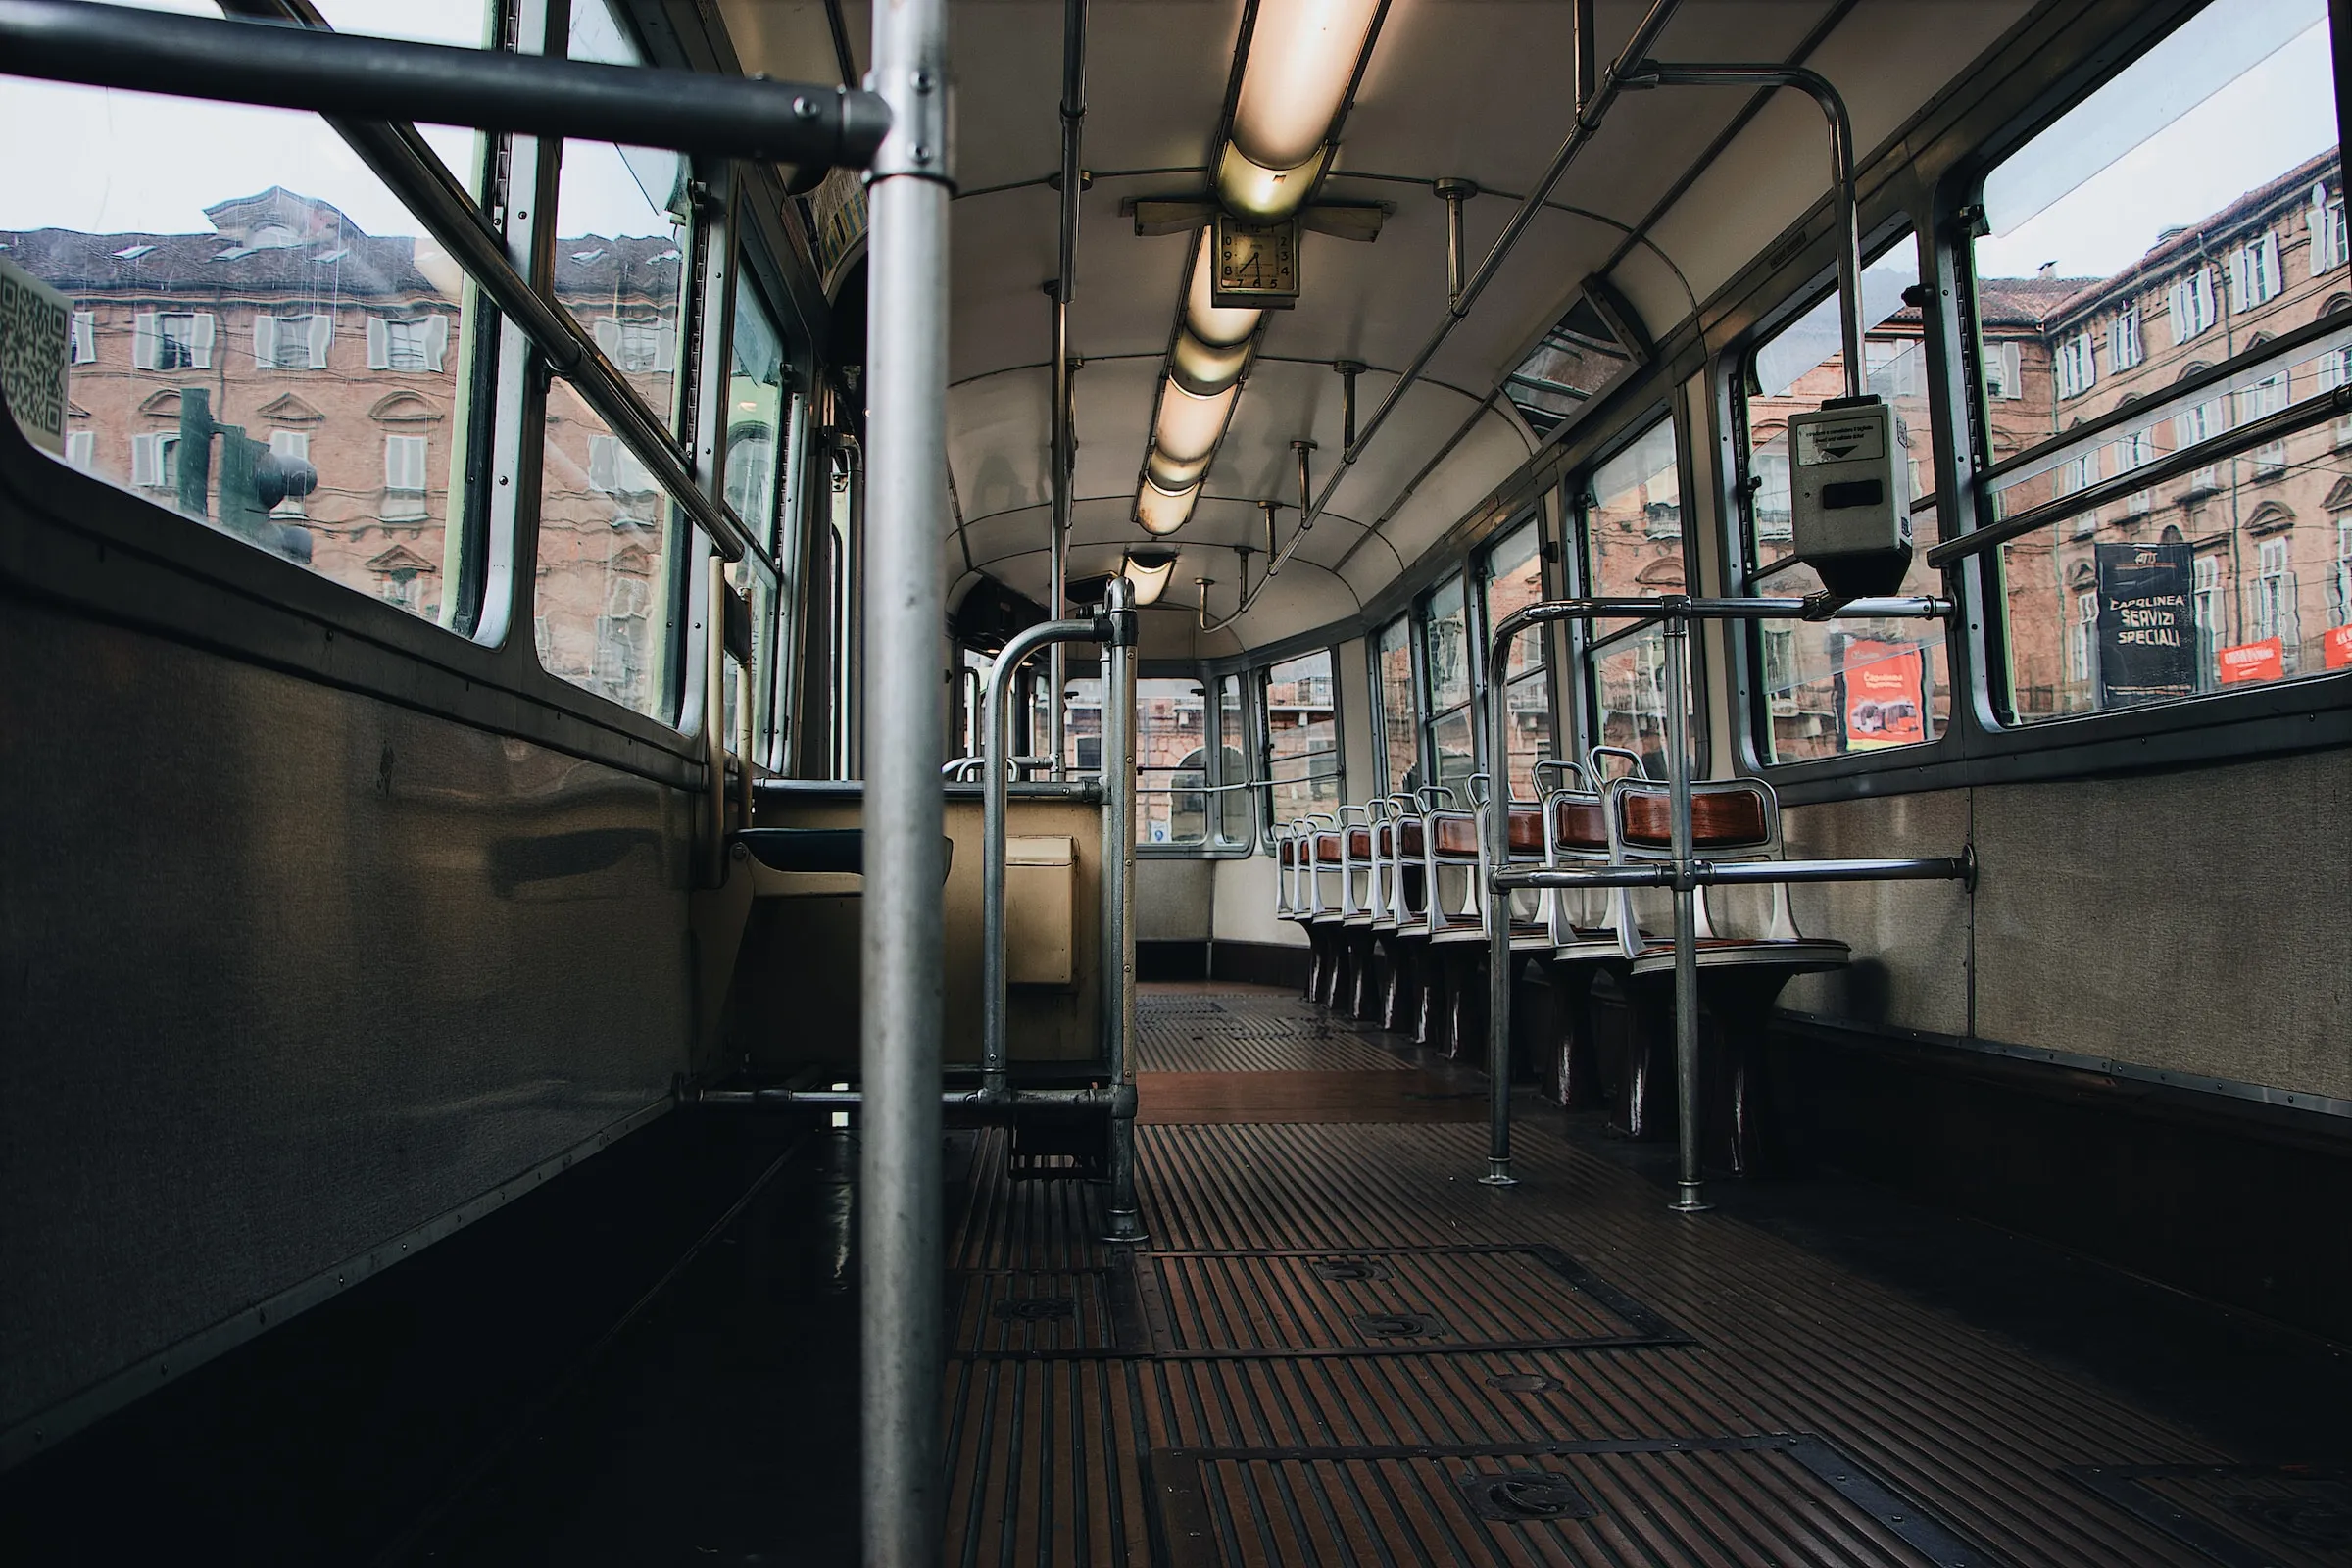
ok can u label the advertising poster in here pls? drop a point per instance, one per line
(2262, 660)
(2337, 647)
(2148, 633)
(1883, 695)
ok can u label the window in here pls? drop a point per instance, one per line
(155, 462)
(1830, 689)
(1171, 758)
(2004, 370)
(1625, 682)
(2079, 636)
(2206, 603)
(294, 342)
(1399, 739)
(81, 450)
(1514, 575)
(2273, 606)
(296, 446)
(2266, 397)
(1236, 826)
(754, 411)
(85, 338)
(2254, 272)
(2190, 304)
(621, 245)
(2126, 348)
(2076, 364)
(2325, 219)
(2078, 474)
(407, 345)
(1302, 737)
(163, 341)
(612, 559)
(2340, 580)
(404, 479)
(1448, 661)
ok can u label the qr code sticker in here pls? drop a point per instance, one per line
(36, 326)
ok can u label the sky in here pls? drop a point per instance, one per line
(2093, 191)
(119, 161)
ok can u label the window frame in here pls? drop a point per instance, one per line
(1261, 674)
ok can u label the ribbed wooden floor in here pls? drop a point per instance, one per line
(1337, 1347)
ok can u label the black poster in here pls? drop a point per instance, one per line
(2148, 633)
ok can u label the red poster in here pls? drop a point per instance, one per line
(1885, 703)
(2337, 645)
(2262, 660)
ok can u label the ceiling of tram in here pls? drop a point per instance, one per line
(1473, 89)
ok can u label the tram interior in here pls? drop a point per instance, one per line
(1242, 782)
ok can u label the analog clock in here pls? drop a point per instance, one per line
(1258, 263)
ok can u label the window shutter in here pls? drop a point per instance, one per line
(379, 344)
(2203, 289)
(665, 348)
(81, 450)
(602, 453)
(85, 336)
(200, 340)
(264, 342)
(146, 460)
(323, 332)
(146, 334)
(436, 341)
(607, 337)
(291, 443)
(402, 470)
(2011, 360)
(2268, 260)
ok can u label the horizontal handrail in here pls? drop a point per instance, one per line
(2205, 454)
(1748, 873)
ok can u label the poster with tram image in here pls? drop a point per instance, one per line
(1883, 695)
(2147, 636)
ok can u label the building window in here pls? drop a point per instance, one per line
(2190, 304)
(2206, 604)
(2275, 598)
(1392, 670)
(416, 343)
(85, 337)
(638, 344)
(2254, 272)
(1513, 571)
(2079, 636)
(294, 443)
(2078, 474)
(615, 470)
(2341, 588)
(2004, 371)
(1769, 471)
(1448, 661)
(169, 342)
(155, 462)
(2264, 398)
(292, 342)
(2076, 364)
(2326, 220)
(404, 479)
(2124, 346)
(81, 450)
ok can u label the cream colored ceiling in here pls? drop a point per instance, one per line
(1476, 89)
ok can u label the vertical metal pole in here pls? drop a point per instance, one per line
(1689, 1193)
(1588, 57)
(1495, 856)
(714, 717)
(1059, 556)
(901, 949)
(1119, 902)
(1849, 239)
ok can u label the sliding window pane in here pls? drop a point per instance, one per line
(1633, 548)
(1393, 654)
(459, 24)
(1233, 822)
(1830, 688)
(621, 246)
(1171, 756)
(1514, 579)
(1302, 737)
(238, 322)
(609, 563)
(1447, 625)
(755, 412)
(2187, 213)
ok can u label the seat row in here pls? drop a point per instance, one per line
(1391, 897)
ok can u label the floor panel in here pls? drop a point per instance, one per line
(1336, 1345)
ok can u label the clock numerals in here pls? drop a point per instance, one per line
(1256, 264)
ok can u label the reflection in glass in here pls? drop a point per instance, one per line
(2185, 212)
(1303, 736)
(1393, 654)
(607, 566)
(236, 309)
(755, 412)
(1514, 579)
(1233, 824)
(1633, 548)
(620, 217)
(1171, 759)
(1447, 627)
(1828, 688)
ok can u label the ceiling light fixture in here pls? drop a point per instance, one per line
(1163, 512)
(1303, 57)
(1148, 568)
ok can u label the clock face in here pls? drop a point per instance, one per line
(1256, 264)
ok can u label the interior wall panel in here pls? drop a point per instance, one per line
(289, 972)
(1910, 939)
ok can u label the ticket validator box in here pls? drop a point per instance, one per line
(1850, 513)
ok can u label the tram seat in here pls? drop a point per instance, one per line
(1454, 866)
(812, 862)
(1584, 944)
(1323, 850)
(1740, 972)
(1390, 873)
(1351, 987)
